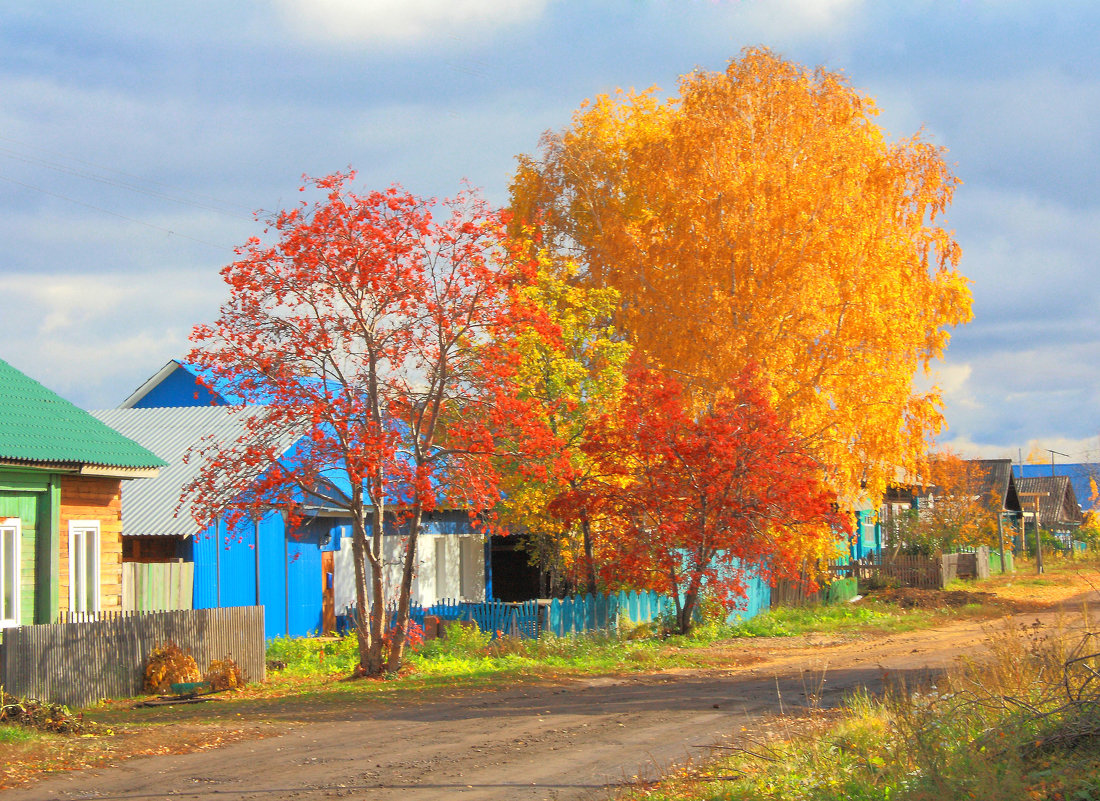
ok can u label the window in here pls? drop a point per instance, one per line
(84, 566)
(9, 572)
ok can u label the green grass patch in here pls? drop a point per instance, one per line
(17, 734)
(863, 616)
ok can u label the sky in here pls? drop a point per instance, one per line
(139, 140)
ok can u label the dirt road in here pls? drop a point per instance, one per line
(566, 741)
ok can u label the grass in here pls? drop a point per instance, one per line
(17, 734)
(1025, 724)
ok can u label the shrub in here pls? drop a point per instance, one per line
(459, 639)
(169, 664)
(224, 674)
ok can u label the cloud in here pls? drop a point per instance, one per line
(404, 22)
(95, 338)
(789, 21)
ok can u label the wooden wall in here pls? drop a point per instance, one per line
(94, 498)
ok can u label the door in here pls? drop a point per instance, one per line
(328, 594)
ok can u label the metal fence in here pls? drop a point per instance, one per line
(86, 658)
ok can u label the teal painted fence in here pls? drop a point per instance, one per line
(758, 597)
(995, 563)
(577, 614)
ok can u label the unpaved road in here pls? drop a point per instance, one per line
(566, 741)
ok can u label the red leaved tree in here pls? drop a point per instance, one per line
(384, 336)
(688, 501)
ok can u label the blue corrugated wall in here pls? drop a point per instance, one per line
(288, 569)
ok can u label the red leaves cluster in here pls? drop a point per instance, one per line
(681, 495)
(381, 335)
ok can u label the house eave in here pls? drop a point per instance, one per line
(101, 471)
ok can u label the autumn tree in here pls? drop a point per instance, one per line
(689, 501)
(384, 335)
(962, 510)
(760, 215)
(574, 380)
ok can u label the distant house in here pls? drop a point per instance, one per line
(1080, 474)
(1053, 498)
(61, 473)
(997, 485)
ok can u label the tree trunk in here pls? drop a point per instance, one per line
(374, 663)
(358, 553)
(589, 556)
(401, 625)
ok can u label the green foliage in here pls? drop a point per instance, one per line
(15, 734)
(459, 641)
(306, 656)
(790, 621)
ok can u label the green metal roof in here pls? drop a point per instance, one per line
(40, 427)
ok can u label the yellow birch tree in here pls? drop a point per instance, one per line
(761, 216)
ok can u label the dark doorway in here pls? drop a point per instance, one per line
(514, 577)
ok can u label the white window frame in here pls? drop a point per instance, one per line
(79, 531)
(10, 572)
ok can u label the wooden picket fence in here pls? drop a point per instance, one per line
(925, 572)
(157, 586)
(87, 657)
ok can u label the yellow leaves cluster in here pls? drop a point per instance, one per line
(761, 216)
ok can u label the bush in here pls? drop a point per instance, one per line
(169, 664)
(462, 640)
(224, 674)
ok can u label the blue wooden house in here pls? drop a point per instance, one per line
(303, 578)
(260, 562)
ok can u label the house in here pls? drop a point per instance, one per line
(1053, 498)
(1082, 475)
(262, 562)
(61, 474)
(454, 559)
(996, 482)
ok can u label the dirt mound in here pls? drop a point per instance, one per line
(913, 598)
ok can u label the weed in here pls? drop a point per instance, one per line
(15, 734)
(1023, 724)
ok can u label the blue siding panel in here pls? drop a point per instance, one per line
(304, 570)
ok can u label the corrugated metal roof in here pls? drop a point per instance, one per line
(148, 507)
(39, 426)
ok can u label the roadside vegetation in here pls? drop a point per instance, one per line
(1022, 724)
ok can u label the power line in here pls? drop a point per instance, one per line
(168, 231)
(232, 209)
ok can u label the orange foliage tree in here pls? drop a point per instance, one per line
(760, 215)
(684, 502)
(962, 511)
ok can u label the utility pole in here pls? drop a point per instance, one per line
(1034, 496)
(1052, 452)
